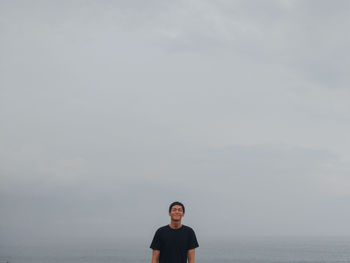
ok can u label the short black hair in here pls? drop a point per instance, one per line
(176, 203)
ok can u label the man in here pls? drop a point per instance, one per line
(174, 243)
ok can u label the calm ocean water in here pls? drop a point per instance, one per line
(244, 250)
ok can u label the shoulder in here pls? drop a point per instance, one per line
(162, 229)
(187, 228)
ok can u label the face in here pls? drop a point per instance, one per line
(176, 213)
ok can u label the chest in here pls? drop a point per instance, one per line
(179, 239)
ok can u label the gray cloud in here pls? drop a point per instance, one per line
(274, 189)
(112, 110)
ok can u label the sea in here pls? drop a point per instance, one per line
(237, 250)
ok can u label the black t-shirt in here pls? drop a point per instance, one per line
(174, 243)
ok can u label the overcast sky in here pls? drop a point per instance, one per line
(111, 110)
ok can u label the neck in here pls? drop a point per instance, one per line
(175, 224)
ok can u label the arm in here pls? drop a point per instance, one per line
(190, 256)
(155, 256)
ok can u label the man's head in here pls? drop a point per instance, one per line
(176, 211)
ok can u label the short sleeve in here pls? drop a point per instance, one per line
(193, 243)
(156, 241)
